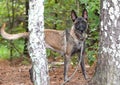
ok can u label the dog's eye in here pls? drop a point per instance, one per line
(77, 23)
(83, 22)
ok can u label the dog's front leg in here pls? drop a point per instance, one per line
(66, 65)
(81, 58)
(83, 68)
(82, 64)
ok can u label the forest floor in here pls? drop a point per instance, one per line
(15, 73)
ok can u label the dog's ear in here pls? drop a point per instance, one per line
(85, 14)
(73, 15)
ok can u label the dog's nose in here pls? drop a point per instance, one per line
(82, 31)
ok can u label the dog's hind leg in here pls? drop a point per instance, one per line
(31, 73)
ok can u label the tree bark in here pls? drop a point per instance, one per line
(36, 45)
(108, 65)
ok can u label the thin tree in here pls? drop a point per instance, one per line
(25, 52)
(108, 65)
(36, 45)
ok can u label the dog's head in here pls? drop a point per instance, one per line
(80, 23)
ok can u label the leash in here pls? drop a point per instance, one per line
(82, 44)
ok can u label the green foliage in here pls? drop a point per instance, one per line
(3, 11)
(91, 57)
(93, 8)
(58, 13)
(8, 9)
(74, 60)
(12, 13)
(52, 53)
(17, 48)
(4, 52)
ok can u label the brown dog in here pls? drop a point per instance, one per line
(67, 42)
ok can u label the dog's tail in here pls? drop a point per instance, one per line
(12, 36)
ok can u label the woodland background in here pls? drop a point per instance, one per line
(56, 15)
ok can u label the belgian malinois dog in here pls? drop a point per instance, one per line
(66, 42)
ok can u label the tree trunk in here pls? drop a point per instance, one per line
(108, 66)
(25, 52)
(36, 45)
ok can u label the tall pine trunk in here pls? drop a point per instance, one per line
(108, 65)
(36, 45)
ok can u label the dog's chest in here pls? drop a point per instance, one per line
(73, 45)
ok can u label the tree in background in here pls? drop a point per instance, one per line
(36, 45)
(108, 65)
(25, 52)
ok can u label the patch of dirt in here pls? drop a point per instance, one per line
(14, 73)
